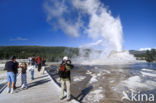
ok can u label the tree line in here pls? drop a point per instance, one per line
(55, 54)
(50, 53)
(148, 55)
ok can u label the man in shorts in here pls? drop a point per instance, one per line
(10, 66)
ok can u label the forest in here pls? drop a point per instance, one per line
(148, 55)
(50, 53)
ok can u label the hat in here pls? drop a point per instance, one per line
(65, 58)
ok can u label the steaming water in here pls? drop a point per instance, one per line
(91, 18)
(102, 58)
(114, 79)
(106, 83)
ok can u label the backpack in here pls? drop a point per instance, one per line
(63, 73)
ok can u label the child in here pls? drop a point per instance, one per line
(24, 75)
(31, 69)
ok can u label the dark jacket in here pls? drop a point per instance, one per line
(10, 66)
(43, 62)
(65, 72)
(24, 69)
(33, 61)
(16, 67)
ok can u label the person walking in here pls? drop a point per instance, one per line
(64, 73)
(43, 61)
(10, 66)
(31, 69)
(24, 75)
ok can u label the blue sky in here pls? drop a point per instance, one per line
(24, 22)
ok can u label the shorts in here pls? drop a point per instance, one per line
(10, 77)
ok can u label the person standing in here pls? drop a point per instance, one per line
(43, 61)
(24, 75)
(36, 65)
(39, 63)
(28, 60)
(33, 61)
(10, 66)
(31, 69)
(64, 73)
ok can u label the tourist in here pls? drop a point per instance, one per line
(43, 61)
(64, 73)
(39, 63)
(24, 75)
(29, 60)
(36, 65)
(33, 61)
(31, 69)
(9, 66)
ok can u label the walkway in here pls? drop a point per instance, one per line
(41, 90)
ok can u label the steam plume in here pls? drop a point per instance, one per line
(87, 17)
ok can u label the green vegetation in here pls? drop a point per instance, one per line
(57, 53)
(149, 55)
(23, 52)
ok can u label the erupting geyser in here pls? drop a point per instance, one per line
(91, 18)
(101, 58)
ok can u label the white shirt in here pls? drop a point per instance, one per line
(31, 67)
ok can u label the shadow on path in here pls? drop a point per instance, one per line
(41, 77)
(39, 82)
(53, 73)
(83, 93)
(36, 83)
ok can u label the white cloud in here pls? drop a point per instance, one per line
(101, 25)
(144, 49)
(19, 39)
(57, 12)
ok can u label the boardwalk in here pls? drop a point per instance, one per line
(41, 90)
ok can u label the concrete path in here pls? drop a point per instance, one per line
(40, 90)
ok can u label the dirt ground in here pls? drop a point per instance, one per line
(107, 79)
